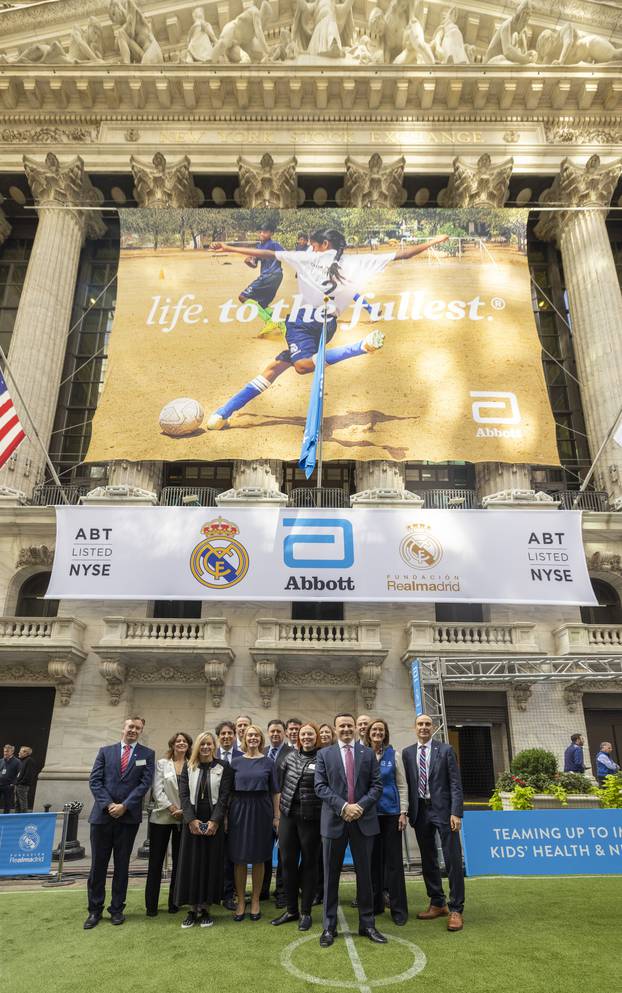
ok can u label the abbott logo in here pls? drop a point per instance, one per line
(505, 405)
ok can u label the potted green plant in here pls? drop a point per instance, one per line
(534, 783)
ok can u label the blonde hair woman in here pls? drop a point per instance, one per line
(204, 789)
(253, 817)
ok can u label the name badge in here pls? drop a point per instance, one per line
(140, 762)
(311, 765)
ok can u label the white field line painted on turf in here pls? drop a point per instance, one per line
(357, 965)
(361, 984)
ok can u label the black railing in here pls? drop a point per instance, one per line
(588, 500)
(449, 499)
(188, 496)
(313, 496)
(49, 495)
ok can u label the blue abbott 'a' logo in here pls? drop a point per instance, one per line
(219, 561)
(29, 840)
(341, 537)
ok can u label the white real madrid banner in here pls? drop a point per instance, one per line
(186, 553)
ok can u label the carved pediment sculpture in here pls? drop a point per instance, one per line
(415, 49)
(160, 185)
(447, 42)
(374, 185)
(134, 38)
(268, 185)
(323, 27)
(201, 39)
(566, 46)
(509, 42)
(242, 40)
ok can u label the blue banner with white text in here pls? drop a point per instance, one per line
(543, 842)
(26, 843)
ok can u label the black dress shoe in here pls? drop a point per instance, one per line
(255, 917)
(285, 918)
(305, 922)
(118, 918)
(400, 921)
(173, 909)
(152, 913)
(326, 938)
(238, 917)
(230, 904)
(92, 921)
(373, 935)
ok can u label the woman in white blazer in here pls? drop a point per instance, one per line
(204, 791)
(166, 820)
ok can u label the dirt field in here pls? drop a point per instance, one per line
(410, 400)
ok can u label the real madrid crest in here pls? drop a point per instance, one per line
(420, 549)
(219, 561)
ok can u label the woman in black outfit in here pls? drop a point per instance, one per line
(204, 789)
(299, 830)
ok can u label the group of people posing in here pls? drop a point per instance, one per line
(222, 800)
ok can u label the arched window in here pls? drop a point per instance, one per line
(30, 602)
(609, 610)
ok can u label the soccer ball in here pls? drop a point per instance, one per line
(181, 416)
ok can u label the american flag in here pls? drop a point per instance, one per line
(11, 431)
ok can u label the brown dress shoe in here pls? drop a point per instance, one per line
(455, 922)
(432, 912)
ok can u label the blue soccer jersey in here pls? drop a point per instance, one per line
(267, 266)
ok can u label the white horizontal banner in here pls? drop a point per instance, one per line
(188, 553)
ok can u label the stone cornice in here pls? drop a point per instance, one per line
(524, 90)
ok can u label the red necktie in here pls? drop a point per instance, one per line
(350, 773)
(125, 758)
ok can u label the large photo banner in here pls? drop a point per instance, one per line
(185, 553)
(431, 353)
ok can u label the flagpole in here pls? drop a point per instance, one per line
(16, 388)
(321, 432)
(592, 468)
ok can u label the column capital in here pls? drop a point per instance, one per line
(479, 184)
(591, 185)
(5, 227)
(268, 184)
(158, 184)
(374, 185)
(55, 184)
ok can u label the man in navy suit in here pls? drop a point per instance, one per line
(120, 777)
(347, 780)
(435, 803)
(227, 751)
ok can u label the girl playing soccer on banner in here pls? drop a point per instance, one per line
(324, 272)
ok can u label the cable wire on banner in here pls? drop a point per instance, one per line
(592, 469)
(36, 434)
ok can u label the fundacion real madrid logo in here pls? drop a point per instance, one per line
(420, 549)
(219, 561)
(29, 840)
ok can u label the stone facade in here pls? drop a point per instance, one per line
(381, 103)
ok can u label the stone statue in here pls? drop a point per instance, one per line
(509, 42)
(268, 185)
(242, 40)
(369, 48)
(284, 50)
(323, 27)
(87, 44)
(447, 42)
(159, 185)
(374, 185)
(40, 53)
(483, 184)
(201, 39)
(392, 23)
(135, 39)
(415, 49)
(568, 47)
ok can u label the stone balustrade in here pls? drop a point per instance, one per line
(593, 638)
(42, 650)
(432, 636)
(325, 635)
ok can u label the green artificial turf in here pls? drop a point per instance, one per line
(545, 935)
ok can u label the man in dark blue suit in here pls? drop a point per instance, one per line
(347, 780)
(227, 752)
(120, 777)
(435, 803)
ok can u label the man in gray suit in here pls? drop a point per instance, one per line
(435, 803)
(347, 780)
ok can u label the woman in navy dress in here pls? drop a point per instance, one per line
(253, 818)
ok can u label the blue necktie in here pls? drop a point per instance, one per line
(423, 772)
(272, 752)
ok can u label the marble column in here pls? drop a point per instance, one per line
(160, 185)
(486, 184)
(257, 481)
(382, 484)
(5, 227)
(43, 317)
(595, 301)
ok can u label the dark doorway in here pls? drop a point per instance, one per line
(25, 719)
(603, 720)
(608, 611)
(474, 750)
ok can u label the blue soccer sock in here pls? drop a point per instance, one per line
(343, 352)
(246, 394)
(365, 304)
